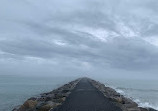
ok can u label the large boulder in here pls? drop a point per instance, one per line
(28, 105)
(116, 99)
(46, 107)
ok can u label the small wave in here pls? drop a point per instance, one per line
(145, 104)
(120, 91)
(147, 90)
(139, 102)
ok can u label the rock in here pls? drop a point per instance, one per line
(143, 109)
(116, 99)
(48, 98)
(58, 96)
(22, 108)
(119, 100)
(63, 99)
(127, 100)
(39, 104)
(132, 105)
(66, 94)
(151, 109)
(49, 105)
(41, 99)
(147, 109)
(134, 109)
(29, 104)
(65, 90)
(60, 100)
(45, 108)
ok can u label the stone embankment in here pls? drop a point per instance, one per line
(48, 101)
(51, 100)
(119, 100)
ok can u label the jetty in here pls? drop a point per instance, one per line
(85, 97)
(83, 94)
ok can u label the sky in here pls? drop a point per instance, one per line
(105, 38)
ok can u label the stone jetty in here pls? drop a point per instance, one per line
(83, 94)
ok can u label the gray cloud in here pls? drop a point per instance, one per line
(77, 35)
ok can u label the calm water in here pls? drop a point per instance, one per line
(14, 90)
(144, 92)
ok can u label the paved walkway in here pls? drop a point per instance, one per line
(86, 97)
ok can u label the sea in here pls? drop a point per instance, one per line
(14, 90)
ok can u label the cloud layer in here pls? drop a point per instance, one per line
(79, 37)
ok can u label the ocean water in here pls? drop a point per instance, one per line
(144, 92)
(14, 90)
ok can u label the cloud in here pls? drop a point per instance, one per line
(77, 35)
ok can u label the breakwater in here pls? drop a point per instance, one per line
(81, 94)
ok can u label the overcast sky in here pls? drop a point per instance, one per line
(110, 38)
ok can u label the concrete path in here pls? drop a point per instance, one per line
(86, 97)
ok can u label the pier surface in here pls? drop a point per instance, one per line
(85, 97)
